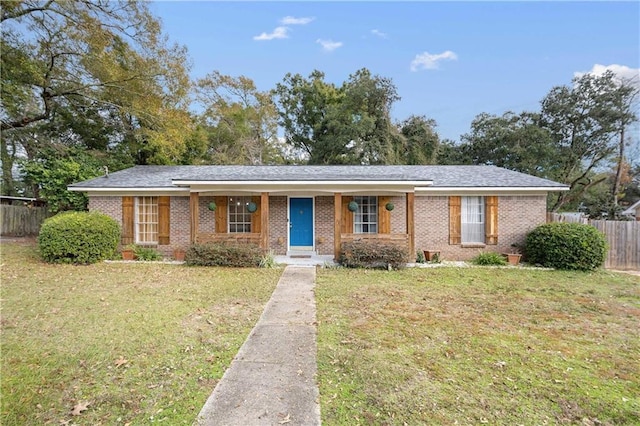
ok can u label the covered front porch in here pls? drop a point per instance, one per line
(302, 223)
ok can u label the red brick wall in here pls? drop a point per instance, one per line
(206, 218)
(324, 224)
(517, 215)
(398, 215)
(278, 224)
(180, 228)
(111, 206)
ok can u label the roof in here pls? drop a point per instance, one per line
(434, 177)
(632, 209)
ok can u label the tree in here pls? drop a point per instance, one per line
(241, 121)
(369, 98)
(625, 101)
(515, 142)
(452, 153)
(99, 70)
(582, 120)
(339, 125)
(303, 108)
(53, 169)
(421, 142)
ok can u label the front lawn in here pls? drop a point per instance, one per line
(134, 343)
(475, 346)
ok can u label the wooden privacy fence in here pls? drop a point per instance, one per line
(21, 221)
(624, 243)
(623, 238)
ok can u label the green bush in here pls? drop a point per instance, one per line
(224, 254)
(372, 254)
(78, 237)
(572, 246)
(489, 258)
(146, 253)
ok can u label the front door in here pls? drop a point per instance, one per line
(301, 223)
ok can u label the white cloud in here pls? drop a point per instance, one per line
(621, 71)
(379, 33)
(329, 45)
(279, 32)
(428, 61)
(291, 20)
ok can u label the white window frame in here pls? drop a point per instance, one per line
(146, 220)
(365, 219)
(238, 217)
(472, 220)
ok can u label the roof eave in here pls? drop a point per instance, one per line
(491, 189)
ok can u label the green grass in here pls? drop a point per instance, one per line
(475, 346)
(65, 327)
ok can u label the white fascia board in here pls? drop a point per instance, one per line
(490, 190)
(131, 191)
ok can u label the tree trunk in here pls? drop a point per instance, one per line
(8, 187)
(616, 184)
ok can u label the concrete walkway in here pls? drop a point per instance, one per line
(272, 379)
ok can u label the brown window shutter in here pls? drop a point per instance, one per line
(127, 221)
(222, 212)
(491, 220)
(164, 220)
(256, 217)
(384, 216)
(455, 219)
(347, 216)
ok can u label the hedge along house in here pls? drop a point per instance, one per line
(457, 210)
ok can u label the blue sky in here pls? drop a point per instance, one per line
(450, 61)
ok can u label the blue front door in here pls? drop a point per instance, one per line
(301, 222)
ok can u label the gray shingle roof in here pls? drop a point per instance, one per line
(441, 176)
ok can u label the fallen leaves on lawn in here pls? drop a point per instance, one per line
(120, 361)
(79, 408)
(287, 419)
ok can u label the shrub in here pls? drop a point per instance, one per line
(420, 257)
(146, 253)
(372, 254)
(572, 246)
(224, 254)
(78, 237)
(489, 258)
(268, 261)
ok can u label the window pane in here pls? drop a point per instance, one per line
(365, 219)
(239, 217)
(473, 220)
(147, 220)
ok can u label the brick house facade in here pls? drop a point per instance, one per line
(456, 210)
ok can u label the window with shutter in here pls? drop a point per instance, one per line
(146, 220)
(365, 219)
(473, 220)
(239, 216)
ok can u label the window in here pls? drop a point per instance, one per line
(365, 220)
(146, 220)
(239, 217)
(472, 220)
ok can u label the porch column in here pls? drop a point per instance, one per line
(337, 224)
(264, 220)
(411, 224)
(194, 209)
